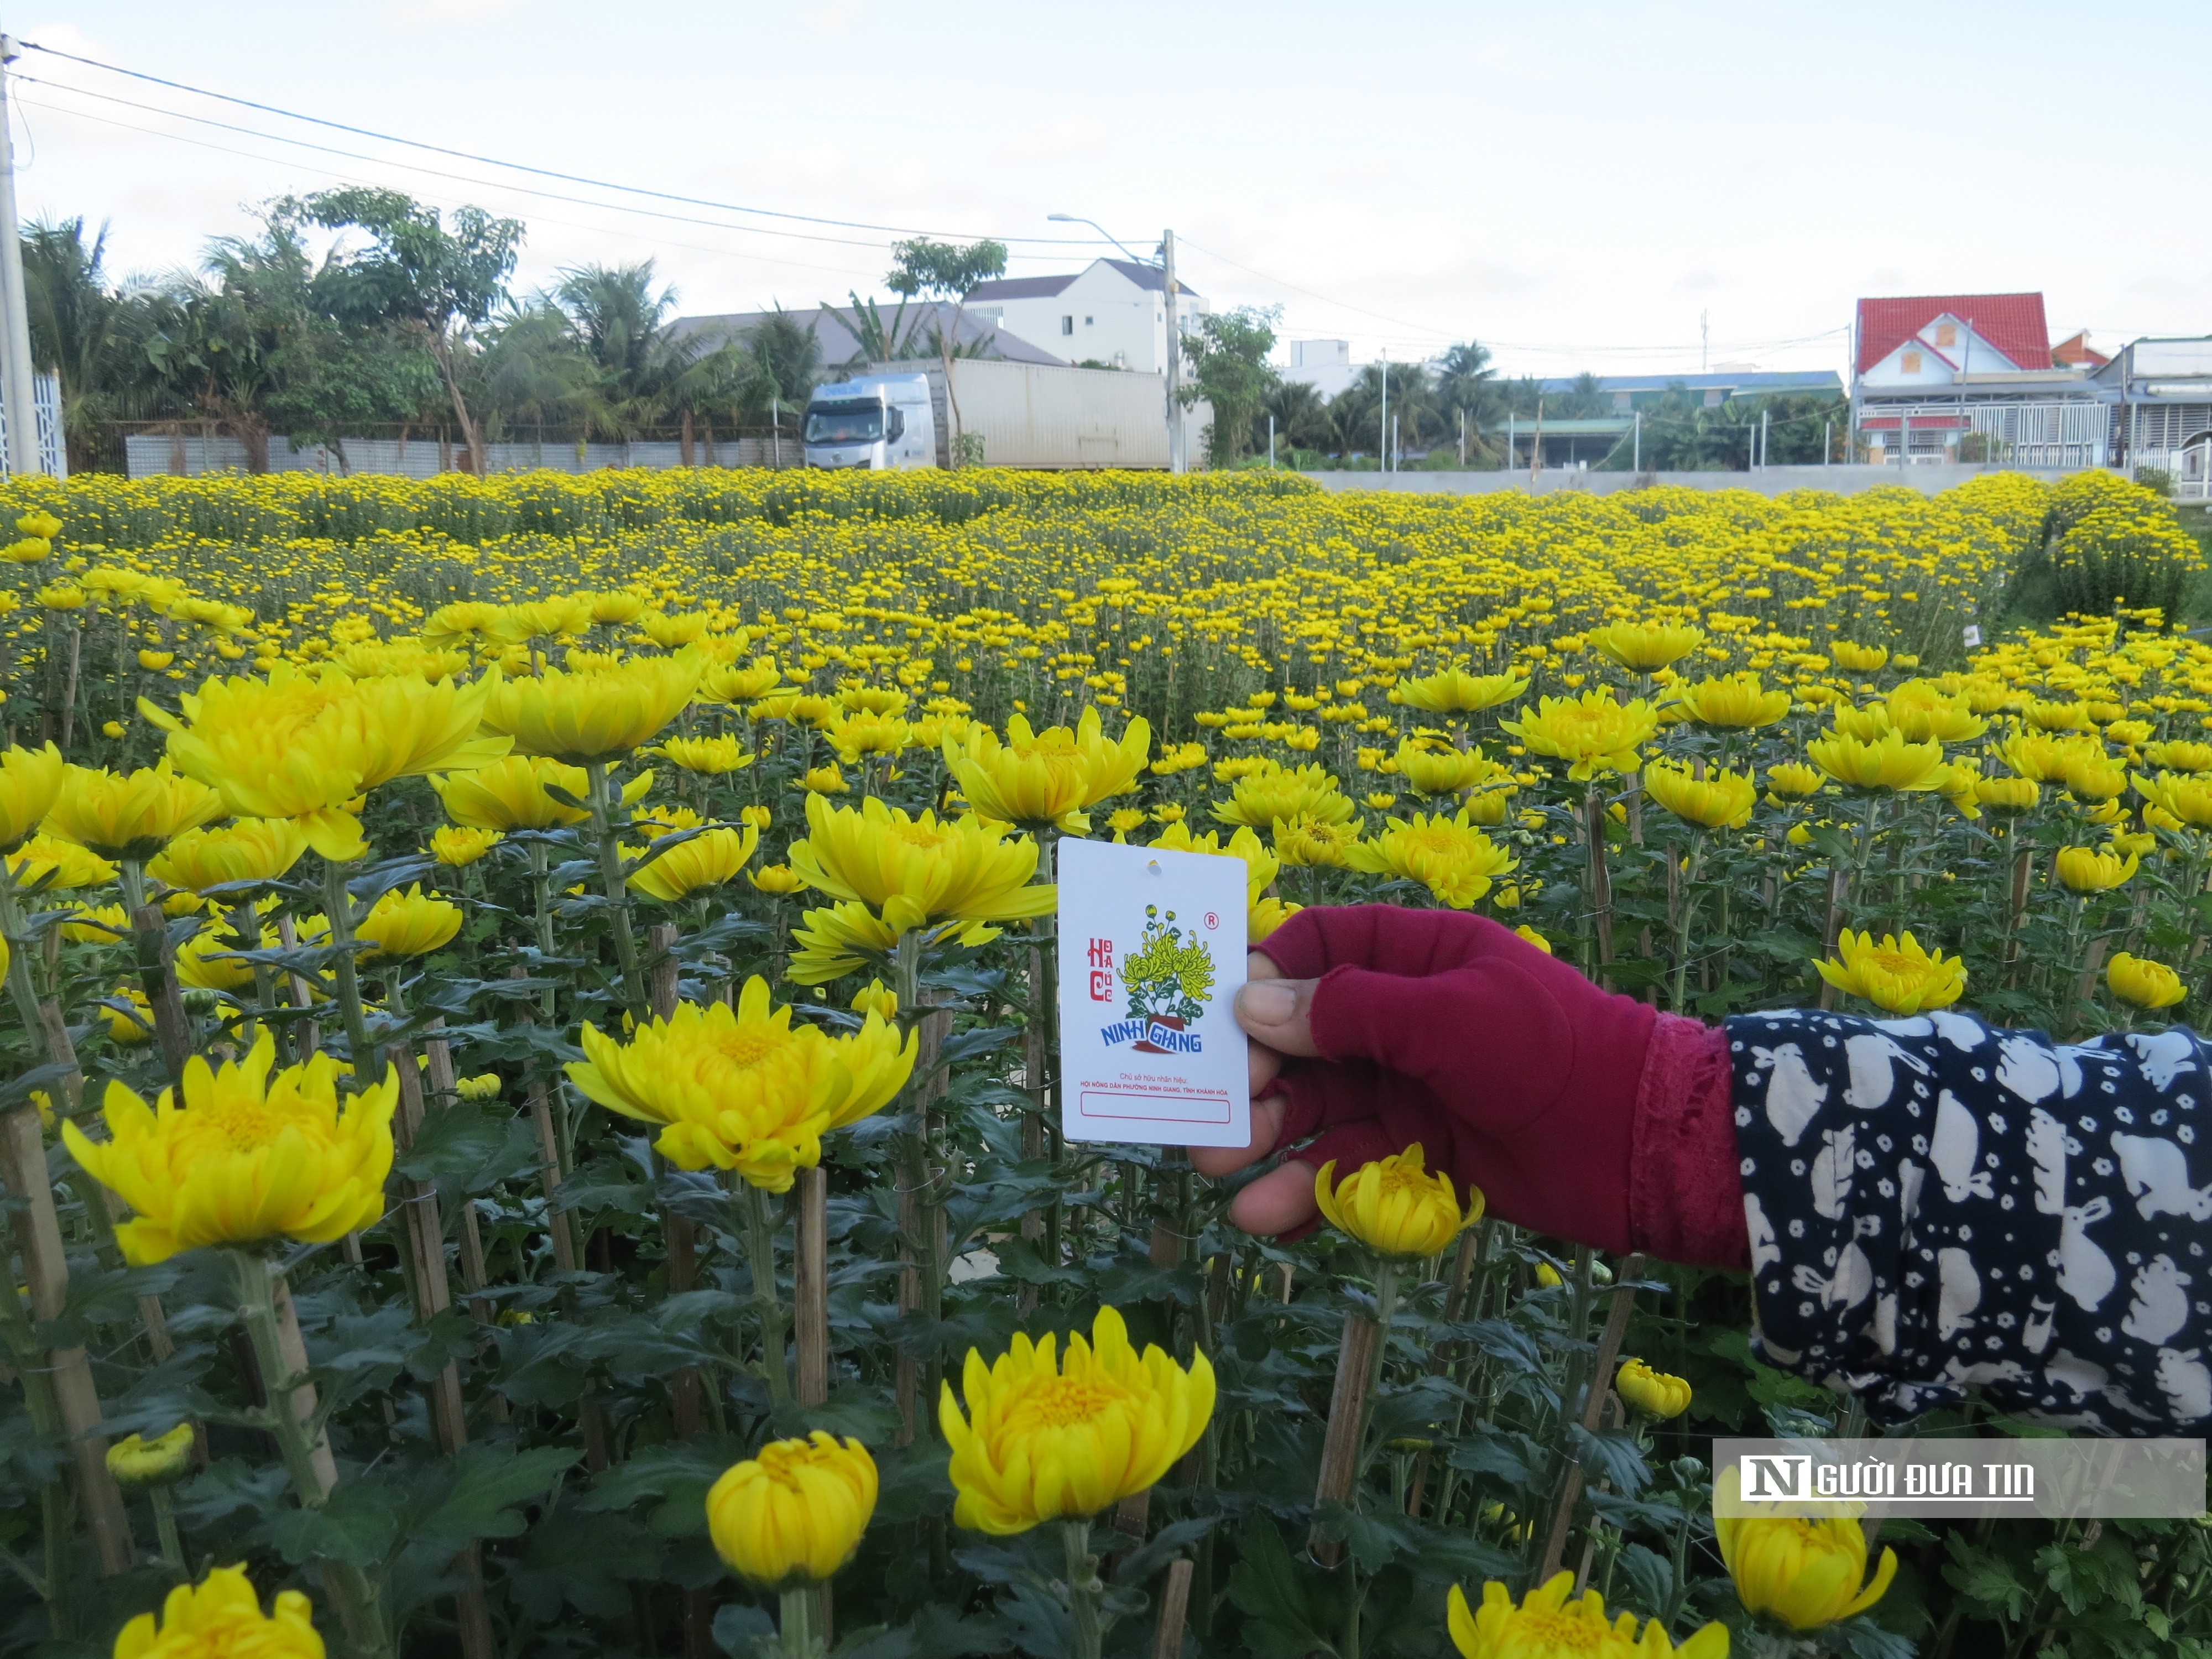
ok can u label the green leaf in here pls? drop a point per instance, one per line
(1169, 1541)
(488, 1481)
(1984, 1579)
(1650, 1579)
(743, 1631)
(1264, 1585)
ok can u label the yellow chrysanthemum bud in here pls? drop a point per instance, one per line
(1395, 1205)
(793, 1514)
(409, 924)
(878, 999)
(137, 1461)
(456, 846)
(2094, 869)
(1719, 801)
(2145, 983)
(1793, 781)
(777, 879)
(1804, 1573)
(1655, 1394)
(712, 756)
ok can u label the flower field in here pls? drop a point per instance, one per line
(528, 1101)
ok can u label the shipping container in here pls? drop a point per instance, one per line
(1038, 415)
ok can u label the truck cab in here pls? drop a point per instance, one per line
(880, 422)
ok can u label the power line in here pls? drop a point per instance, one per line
(434, 172)
(272, 161)
(542, 173)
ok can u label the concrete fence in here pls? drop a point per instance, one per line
(153, 454)
(1768, 481)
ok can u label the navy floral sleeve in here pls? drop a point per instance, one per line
(1935, 1205)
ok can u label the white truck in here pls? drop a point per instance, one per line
(880, 422)
(1026, 414)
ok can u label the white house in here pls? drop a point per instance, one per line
(1324, 365)
(1112, 312)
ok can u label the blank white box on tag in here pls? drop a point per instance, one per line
(1151, 954)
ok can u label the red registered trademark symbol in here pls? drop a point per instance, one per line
(1211, 919)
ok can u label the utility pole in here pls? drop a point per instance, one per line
(1704, 340)
(1765, 456)
(19, 395)
(1827, 440)
(1174, 358)
(1462, 440)
(1638, 465)
(1383, 421)
(1271, 443)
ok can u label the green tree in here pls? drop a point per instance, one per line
(81, 328)
(930, 270)
(641, 371)
(1228, 358)
(878, 341)
(416, 272)
(1467, 384)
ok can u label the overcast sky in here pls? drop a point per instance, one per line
(1573, 183)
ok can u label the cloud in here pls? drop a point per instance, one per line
(1077, 137)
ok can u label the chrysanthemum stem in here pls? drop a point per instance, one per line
(541, 893)
(338, 909)
(796, 1625)
(1682, 923)
(1083, 1588)
(165, 1526)
(760, 1245)
(264, 1307)
(20, 986)
(611, 885)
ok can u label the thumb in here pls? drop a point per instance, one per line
(1277, 1013)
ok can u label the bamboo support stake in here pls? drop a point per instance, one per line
(1175, 1606)
(306, 1040)
(811, 1287)
(1608, 1350)
(426, 1247)
(45, 1268)
(1347, 1419)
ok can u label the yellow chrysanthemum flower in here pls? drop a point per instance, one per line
(130, 815)
(409, 924)
(1793, 781)
(1036, 779)
(1858, 658)
(2187, 797)
(878, 999)
(1735, 703)
(1645, 648)
(707, 859)
(1924, 713)
(293, 747)
(2145, 983)
(208, 960)
(913, 870)
(1656, 1394)
(2007, 795)
(29, 781)
(220, 1618)
(1888, 762)
(1549, 1625)
(1450, 856)
(52, 866)
(1440, 769)
(1719, 801)
(252, 849)
(743, 1090)
(1455, 691)
(1045, 1437)
(1802, 1572)
(247, 1156)
(1278, 794)
(2179, 756)
(825, 780)
(776, 879)
(793, 1514)
(1595, 733)
(523, 792)
(2094, 869)
(456, 846)
(1896, 975)
(596, 716)
(1303, 844)
(1396, 1206)
(712, 756)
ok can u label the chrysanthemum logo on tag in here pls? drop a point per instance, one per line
(1169, 979)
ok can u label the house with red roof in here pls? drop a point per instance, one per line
(1970, 377)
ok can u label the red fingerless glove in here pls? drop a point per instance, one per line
(1583, 1115)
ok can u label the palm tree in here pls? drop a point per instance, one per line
(642, 371)
(80, 328)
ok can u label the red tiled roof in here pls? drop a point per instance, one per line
(2013, 323)
(2076, 351)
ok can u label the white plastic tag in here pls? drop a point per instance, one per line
(1151, 953)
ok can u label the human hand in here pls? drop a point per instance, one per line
(1374, 1027)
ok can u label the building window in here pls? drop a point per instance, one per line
(1087, 321)
(1946, 334)
(1067, 325)
(1910, 362)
